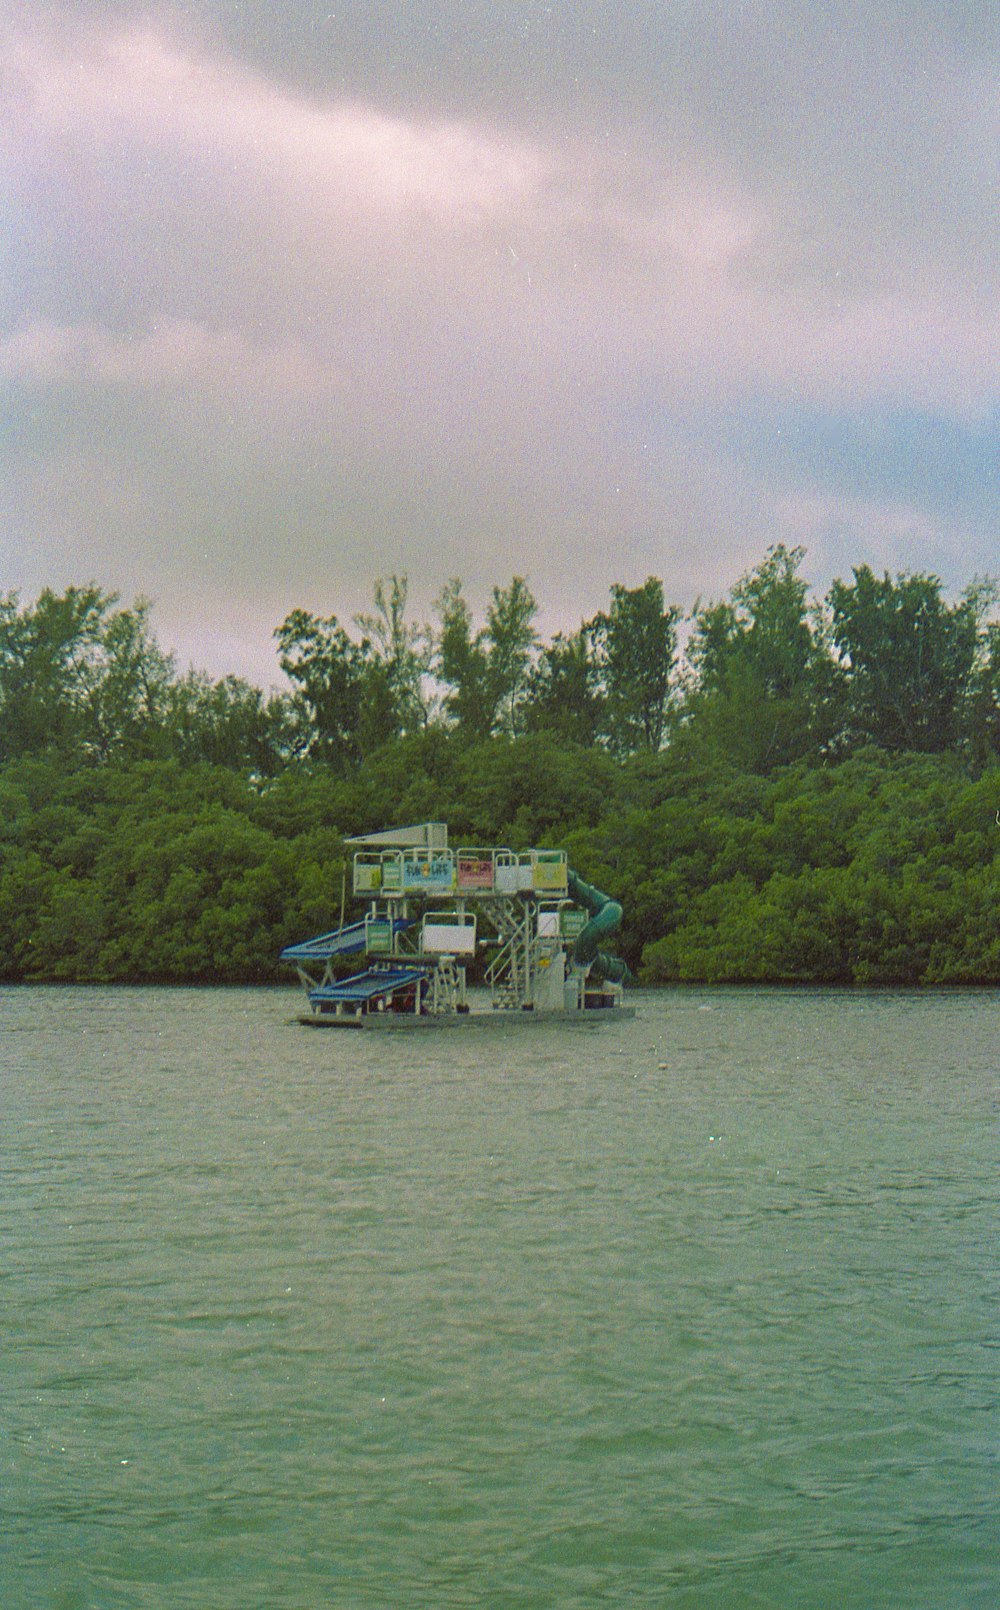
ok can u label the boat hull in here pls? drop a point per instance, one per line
(410, 1023)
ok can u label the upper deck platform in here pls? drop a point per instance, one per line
(470, 873)
(416, 860)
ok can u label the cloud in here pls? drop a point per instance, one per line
(178, 353)
(843, 533)
(281, 321)
(330, 209)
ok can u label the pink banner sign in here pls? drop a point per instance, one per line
(475, 872)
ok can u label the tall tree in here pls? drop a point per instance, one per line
(981, 717)
(762, 691)
(403, 651)
(227, 723)
(765, 627)
(487, 672)
(564, 695)
(80, 676)
(636, 651)
(326, 669)
(908, 658)
(48, 651)
(125, 690)
(511, 635)
(463, 665)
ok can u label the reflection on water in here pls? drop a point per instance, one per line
(693, 1309)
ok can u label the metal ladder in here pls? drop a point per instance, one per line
(510, 973)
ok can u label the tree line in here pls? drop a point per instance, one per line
(766, 676)
(777, 787)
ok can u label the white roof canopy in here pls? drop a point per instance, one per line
(420, 836)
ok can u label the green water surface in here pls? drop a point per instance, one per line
(694, 1310)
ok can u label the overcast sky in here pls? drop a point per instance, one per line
(297, 295)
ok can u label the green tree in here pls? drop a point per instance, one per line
(227, 723)
(511, 636)
(563, 694)
(81, 676)
(123, 689)
(326, 669)
(907, 657)
(49, 655)
(463, 665)
(981, 713)
(636, 651)
(401, 650)
(487, 672)
(763, 687)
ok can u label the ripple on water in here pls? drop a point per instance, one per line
(697, 1310)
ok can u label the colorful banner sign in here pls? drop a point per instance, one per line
(475, 872)
(433, 874)
(549, 875)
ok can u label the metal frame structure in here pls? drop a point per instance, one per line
(431, 910)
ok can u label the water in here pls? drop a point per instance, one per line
(695, 1310)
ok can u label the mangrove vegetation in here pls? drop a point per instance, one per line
(777, 787)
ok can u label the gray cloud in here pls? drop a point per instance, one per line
(300, 298)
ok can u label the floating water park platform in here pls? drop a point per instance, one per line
(433, 912)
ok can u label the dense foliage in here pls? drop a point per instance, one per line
(807, 792)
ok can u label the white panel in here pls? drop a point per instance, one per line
(513, 879)
(449, 939)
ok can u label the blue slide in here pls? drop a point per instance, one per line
(605, 917)
(347, 941)
(367, 986)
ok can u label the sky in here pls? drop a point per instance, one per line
(296, 296)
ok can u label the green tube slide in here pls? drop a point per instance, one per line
(605, 916)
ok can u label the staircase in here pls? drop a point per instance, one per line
(510, 974)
